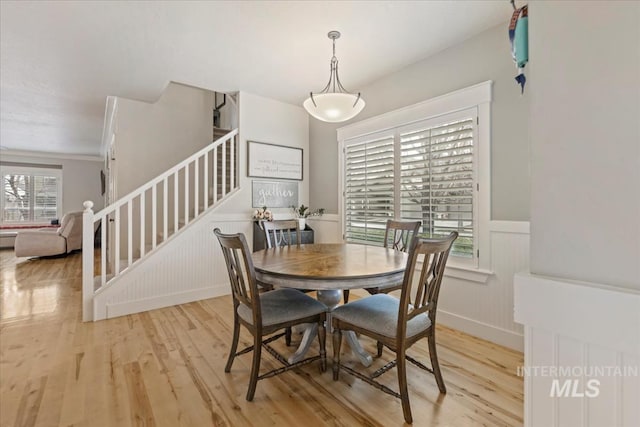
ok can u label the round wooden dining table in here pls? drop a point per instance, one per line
(329, 268)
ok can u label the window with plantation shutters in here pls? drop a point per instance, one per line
(423, 171)
(437, 178)
(30, 194)
(437, 171)
(369, 188)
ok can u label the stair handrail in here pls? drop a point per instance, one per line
(144, 187)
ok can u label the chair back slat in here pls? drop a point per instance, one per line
(400, 234)
(433, 254)
(242, 276)
(278, 233)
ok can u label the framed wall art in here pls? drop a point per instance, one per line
(273, 161)
(274, 194)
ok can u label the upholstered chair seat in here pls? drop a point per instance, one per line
(283, 305)
(379, 314)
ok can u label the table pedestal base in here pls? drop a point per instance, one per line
(330, 298)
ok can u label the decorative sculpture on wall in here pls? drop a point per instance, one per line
(519, 38)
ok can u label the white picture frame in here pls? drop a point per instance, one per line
(265, 160)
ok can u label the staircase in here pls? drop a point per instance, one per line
(137, 229)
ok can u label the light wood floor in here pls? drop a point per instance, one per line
(166, 368)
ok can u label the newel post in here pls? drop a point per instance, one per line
(87, 261)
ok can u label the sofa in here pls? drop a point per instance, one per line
(48, 242)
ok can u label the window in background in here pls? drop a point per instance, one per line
(32, 194)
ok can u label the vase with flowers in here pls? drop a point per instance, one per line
(303, 212)
(263, 214)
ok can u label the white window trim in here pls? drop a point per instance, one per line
(479, 96)
(33, 170)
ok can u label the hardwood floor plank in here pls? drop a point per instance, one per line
(142, 412)
(166, 368)
(29, 406)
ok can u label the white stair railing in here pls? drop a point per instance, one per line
(148, 217)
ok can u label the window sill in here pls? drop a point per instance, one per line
(22, 226)
(467, 273)
(464, 272)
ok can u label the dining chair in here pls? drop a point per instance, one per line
(399, 323)
(397, 235)
(279, 233)
(264, 314)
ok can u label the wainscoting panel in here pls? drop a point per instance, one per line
(582, 352)
(326, 228)
(486, 309)
(190, 267)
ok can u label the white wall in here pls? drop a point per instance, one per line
(80, 178)
(267, 120)
(581, 306)
(150, 138)
(585, 141)
(481, 58)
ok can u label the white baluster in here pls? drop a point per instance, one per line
(205, 190)
(143, 224)
(129, 233)
(154, 216)
(215, 175)
(232, 170)
(165, 209)
(186, 194)
(87, 261)
(196, 187)
(103, 250)
(176, 179)
(117, 238)
(224, 169)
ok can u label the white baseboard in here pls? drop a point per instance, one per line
(152, 303)
(487, 332)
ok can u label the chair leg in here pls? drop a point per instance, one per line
(255, 366)
(380, 347)
(322, 340)
(234, 344)
(434, 362)
(345, 295)
(287, 336)
(402, 383)
(337, 342)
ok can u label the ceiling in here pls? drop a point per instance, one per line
(60, 60)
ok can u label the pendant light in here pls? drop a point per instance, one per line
(334, 103)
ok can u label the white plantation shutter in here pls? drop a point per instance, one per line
(45, 194)
(433, 180)
(369, 184)
(30, 194)
(437, 179)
